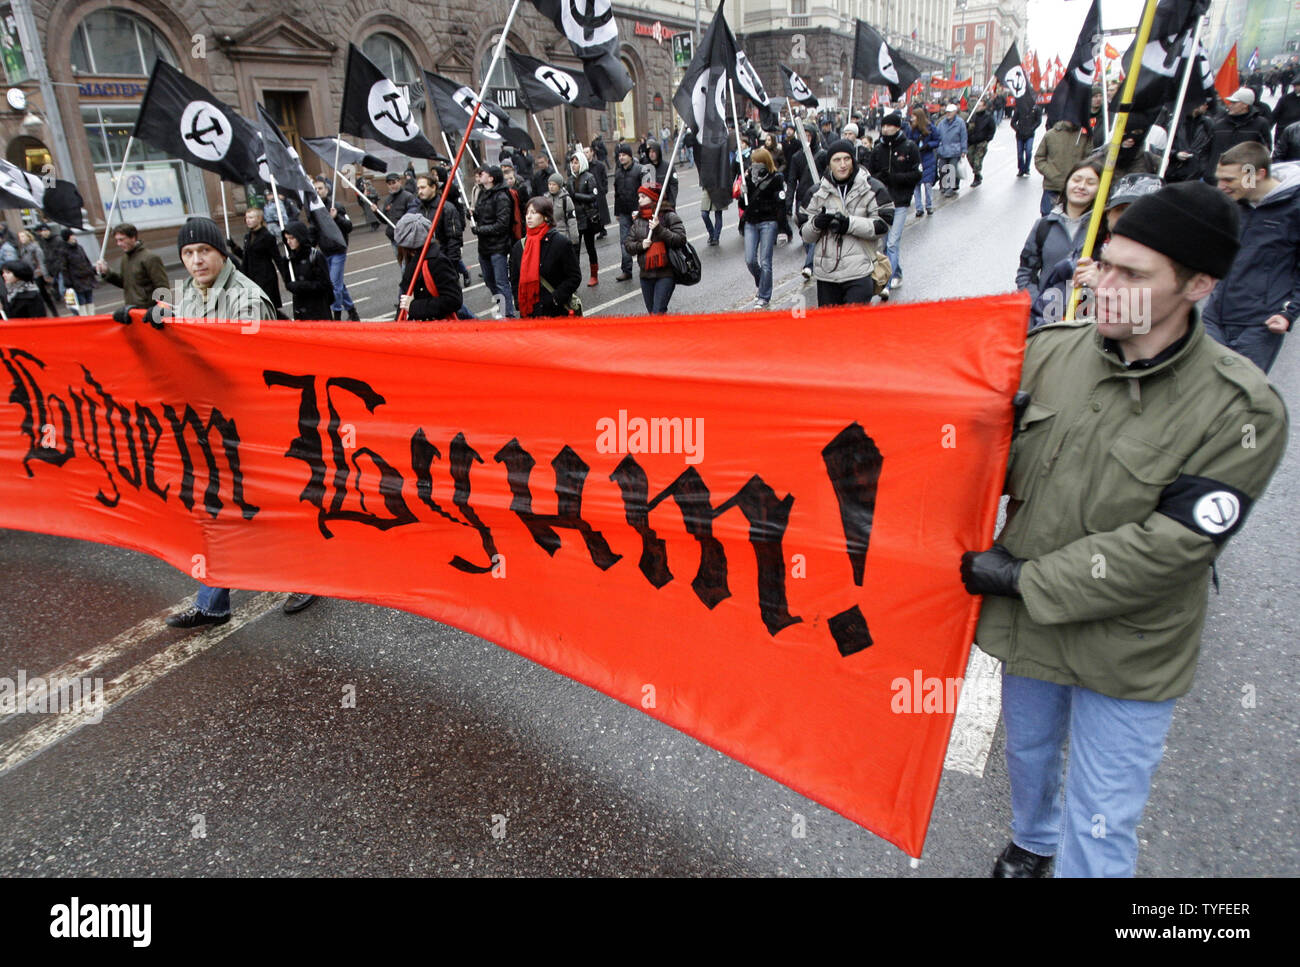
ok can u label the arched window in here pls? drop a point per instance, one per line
(392, 57)
(117, 43)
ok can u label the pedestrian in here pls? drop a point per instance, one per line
(450, 232)
(1133, 158)
(493, 214)
(564, 213)
(896, 162)
(367, 188)
(1257, 302)
(336, 254)
(1287, 109)
(764, 211)
(259, 257)
(1064, 146)
(544, 270)
(927, 143)
(602, 192)
(140, 274)
(55, 257)
(1192, 140)
(398, 202)
(309, 281)
(980, 130)
(33, 253)
(437, 293)
(541, 175)
(1241, 122)
(1287, 147)
(659, 173)
(601, 151)
(1150, 481)
(8, 244)
(801, 179)
(582, 188)
(848, 214)
(1061, 232)
(649, 238)
(952, 148)
(1025, 121)
(22, 300)
(627, 179)
(78, 273)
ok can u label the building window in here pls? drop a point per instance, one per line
(798, 7)
(157, 189)
(961, 35)
(980, 31)
(392, 57)
(977, 61)
(119, 44)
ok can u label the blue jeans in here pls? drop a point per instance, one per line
(657, 293)
(929, 198)
(1256, 343)
(213, 601)
(625, 257)
(1048, 202)
(1024, 153)
(760, 240)
(893, 238)
(342, 297)
(713, 222)
(1115, 746)
(496, 273)
(808, 248)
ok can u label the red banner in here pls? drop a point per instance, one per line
(943, 85)
(747, 526)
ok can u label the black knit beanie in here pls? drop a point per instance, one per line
(201, 231)
(1189, 222)
(20, 269)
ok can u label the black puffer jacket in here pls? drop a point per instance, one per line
(582, 189)
(450, 232)
(1233, 129)
(658, 171)
(492, 221)
(766, 197)
(626, 182)
(425, 304)
(980, 128)
(310, 285)
(896, 162)
(259, 259)
(558, 265)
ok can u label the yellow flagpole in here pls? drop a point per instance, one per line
(1117, 138)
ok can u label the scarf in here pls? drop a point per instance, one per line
(530, 269)
(656, 256)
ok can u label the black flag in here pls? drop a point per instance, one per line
(701, 103)
(347, 154)
(279, 157)
(592, 32)
(184, 120)
(454, 103)
(1166, 55)
(1072, 99)
(374, 107)
(1011, 75)
(875, 62)
(747, 79)
(63, 203)
(544, 85)
(796, 89)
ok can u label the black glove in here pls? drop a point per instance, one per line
(123, 315)
(994, 571)
(839, 223)
(155, 315)
(879, 227)
(822, 221)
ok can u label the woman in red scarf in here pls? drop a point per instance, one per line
(649, 239)
(544, 271)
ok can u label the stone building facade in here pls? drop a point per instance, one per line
(291, 58)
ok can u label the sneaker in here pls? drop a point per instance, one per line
(623, 277)
(760, 303)
(713, 241)
(895, 282)
(920, 214)
(884, 296)
(297, 602)
(807, 274)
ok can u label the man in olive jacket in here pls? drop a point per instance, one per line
(1140, 451)
(141, 273)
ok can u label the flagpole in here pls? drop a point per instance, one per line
(1117, 137)
(672, 158)
(1105, 87)
(464, 143)
(275, 193)
(362, 195)
(1182, 93)
(469, 212)
(987, 87)
(108, 222)
(334, 189)
(807, 150)
(225, 211)
(849, 116)
(735, 119)
(545, 144)
(468, 150)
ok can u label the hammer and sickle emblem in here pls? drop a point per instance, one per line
(558, 83)
(394, 111)
(199, 135)
(587, 19)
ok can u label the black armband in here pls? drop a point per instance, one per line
(1208, 507)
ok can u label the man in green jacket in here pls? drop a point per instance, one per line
(141, 273)
(1139, 452)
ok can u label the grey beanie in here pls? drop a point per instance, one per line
(411, 230)
(556, 179)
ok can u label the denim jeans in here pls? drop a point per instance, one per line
(213, 601)
(893, 238)
(496, 274)
(1024, 154)
(1115, 746)
(342, 297)
(808, 249)
(657, 293)
(624, 257)
(713, 222)
(760, 240)
(1256, 342)
(929, 198)
(1048, 202)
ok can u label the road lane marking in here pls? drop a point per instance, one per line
(57, 727)
(978, 708)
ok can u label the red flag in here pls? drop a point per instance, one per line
(1228, 78)
(1036, 75)
(875, 100)
(1111, 52)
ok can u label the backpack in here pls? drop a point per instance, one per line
(516, 216)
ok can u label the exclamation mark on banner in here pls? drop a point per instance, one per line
(853, 462)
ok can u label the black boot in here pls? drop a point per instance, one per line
(334, 314)
(352, 314)
(1017, 863)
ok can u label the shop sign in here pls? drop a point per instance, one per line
(149, 196)
(658, 31)
(121, 89)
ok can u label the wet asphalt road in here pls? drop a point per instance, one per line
(453, 738)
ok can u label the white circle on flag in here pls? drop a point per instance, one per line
(1016, 82)
(1216, 512)
(390, 112)
(205, 130)
(799, 88)
(263, 170)
(486, 124)
(596, 27)
(565, 85)
(887, 68)
(749, 79)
